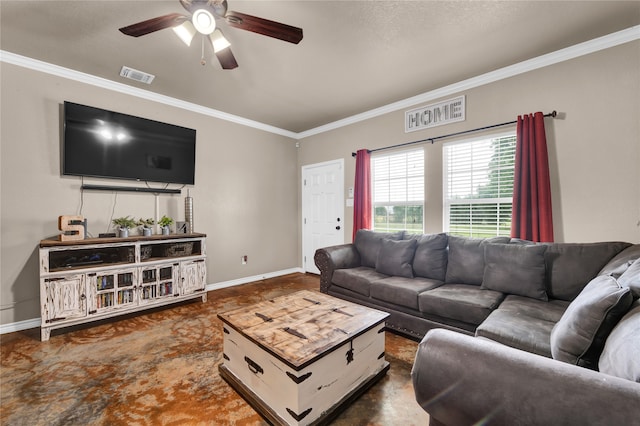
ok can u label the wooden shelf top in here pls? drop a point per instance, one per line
(53, 242)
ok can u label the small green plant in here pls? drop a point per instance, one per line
(165, 221)
(124, 222)
(145, 223)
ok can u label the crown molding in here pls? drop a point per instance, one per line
(36, 65)
(572, 52)
(581, 49)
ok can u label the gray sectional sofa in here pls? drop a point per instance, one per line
(508, 323)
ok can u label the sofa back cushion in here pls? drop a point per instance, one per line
(570, 266)
(579, 337)
(395, 257)
(515, 269)
(621, 262)
(430, 260)
(466, 259)
(368, 244)
(631, 279)
(621, 354)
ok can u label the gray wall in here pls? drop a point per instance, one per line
(247, 187)
(594, 147)
(245, 195)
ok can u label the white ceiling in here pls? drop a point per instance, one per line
(355, 55)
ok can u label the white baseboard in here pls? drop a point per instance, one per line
(19, 326)
(35, 322)
(246, 280)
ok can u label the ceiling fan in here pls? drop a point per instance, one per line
(204, 14)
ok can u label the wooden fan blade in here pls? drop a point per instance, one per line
(226, 59)
(154, 24)
(264, 26)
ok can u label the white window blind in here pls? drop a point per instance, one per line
(398, 191)
(478, 186)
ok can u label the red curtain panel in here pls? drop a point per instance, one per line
(531, 215)
(362, 192)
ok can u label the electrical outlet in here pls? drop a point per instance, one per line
(244, 259)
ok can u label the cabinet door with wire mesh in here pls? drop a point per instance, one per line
(110, 290)
(157, 282)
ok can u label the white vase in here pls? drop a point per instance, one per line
(123, 232)
(146, 232)
(165, 230)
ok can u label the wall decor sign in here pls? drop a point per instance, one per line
(73, 227)
(433, 115)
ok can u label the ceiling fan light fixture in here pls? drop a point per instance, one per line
(219, 41)
(186, 32)
(203, 21)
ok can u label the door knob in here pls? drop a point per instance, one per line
(338, 227)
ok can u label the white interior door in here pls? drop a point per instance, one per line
(322, 209)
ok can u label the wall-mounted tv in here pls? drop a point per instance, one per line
(107, 144)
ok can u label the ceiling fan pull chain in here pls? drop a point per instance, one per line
(202, 60)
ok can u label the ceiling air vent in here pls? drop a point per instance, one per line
(136, 75)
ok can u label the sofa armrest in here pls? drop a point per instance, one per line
(329, 259)
(461, 380)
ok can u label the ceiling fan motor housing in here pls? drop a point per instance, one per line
(203, 21)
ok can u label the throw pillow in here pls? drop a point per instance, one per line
(621, 354)
(466, 259)
(430, 260)
(579, 337)
(395, 258)
(515, 269)
(368, 245)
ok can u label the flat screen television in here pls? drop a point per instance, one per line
(107, 144)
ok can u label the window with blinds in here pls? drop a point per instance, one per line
(398, 191)
(478, 186)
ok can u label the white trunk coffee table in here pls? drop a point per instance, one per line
(300, 359)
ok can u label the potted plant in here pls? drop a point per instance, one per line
(146, 225)
(164, 223)
(123, 224)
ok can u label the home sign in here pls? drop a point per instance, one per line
(433, 115)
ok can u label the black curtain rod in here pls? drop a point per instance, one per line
(353, 154)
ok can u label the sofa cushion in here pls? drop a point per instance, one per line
(395, 258)
(461, 302)
(522, 332)
(402, 291)
(430, 259)
(523, 323)
(356, 279)
(570, 266)
(515, 269)
(466, 259)
(621, 354)
(550, 311)
(621, 262)
(368, 245)
(579, 336)
(631, 279)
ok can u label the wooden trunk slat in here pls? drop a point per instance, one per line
(301, 327)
